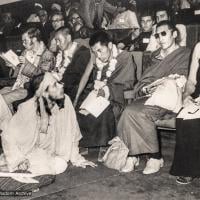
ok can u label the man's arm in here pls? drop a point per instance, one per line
(85, 7)
(45, 63)
(84, 79)
(191, 82)
(109, 8)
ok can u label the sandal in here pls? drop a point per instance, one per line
(184, 180)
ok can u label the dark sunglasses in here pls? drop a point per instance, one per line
(163, 33)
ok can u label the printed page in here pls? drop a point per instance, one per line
(11, 57)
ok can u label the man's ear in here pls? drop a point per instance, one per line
(110, 45)
(69, 37)
(34, 39)
(175, 34)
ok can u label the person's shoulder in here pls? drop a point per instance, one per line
(197, 46)
(47, 53)
(83, 50)
(185, 50)
(67, 100)
(27, 105)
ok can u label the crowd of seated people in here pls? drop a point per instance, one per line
(71, 56)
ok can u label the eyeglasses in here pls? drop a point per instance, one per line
(163, 33)
(75, 18)
(56, 20)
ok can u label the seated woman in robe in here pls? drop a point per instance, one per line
(186, 163)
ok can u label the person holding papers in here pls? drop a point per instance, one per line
(110, 72)
(186, 162)
(35, 59)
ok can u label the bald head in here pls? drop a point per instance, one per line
(63, 38)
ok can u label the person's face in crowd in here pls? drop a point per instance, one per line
(63, 41)
(42, 14)
(76, 21)
(132, 5)
(146, 23)
(161, 16)
(27, 41)
(56, 90)
(165, 36)
(57, 22)
(102, 52)
(7, 18)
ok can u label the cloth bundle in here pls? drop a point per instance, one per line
(168, 92)
(116, 155)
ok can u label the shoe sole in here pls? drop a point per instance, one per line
(183, 183)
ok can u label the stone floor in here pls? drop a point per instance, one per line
(101, 183)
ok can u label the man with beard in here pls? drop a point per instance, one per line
(43, 135)
(71, 60)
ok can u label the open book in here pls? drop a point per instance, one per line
(11, 57)
(94, 104)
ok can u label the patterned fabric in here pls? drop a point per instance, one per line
(33, 65)
(9, 184)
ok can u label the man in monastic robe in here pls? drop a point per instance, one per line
(71, 60)
(43, 135)
(111, 72)
(137, 125)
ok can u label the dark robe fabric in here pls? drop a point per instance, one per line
(142, 41)
(187, 150)
(175, 63)
(75, 70)
(137, 126)
(98, 131)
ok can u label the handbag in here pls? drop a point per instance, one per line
(116, 155)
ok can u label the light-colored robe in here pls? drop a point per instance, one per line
(47, 153)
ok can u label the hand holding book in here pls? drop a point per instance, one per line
(11, 58)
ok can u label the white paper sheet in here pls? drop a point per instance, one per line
(192, 111)
(95, 105)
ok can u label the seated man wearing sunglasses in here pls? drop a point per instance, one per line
(137, 126)
(162, 14)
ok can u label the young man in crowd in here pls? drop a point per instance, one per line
(142, 41)
(137, 125)
(111, 72)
